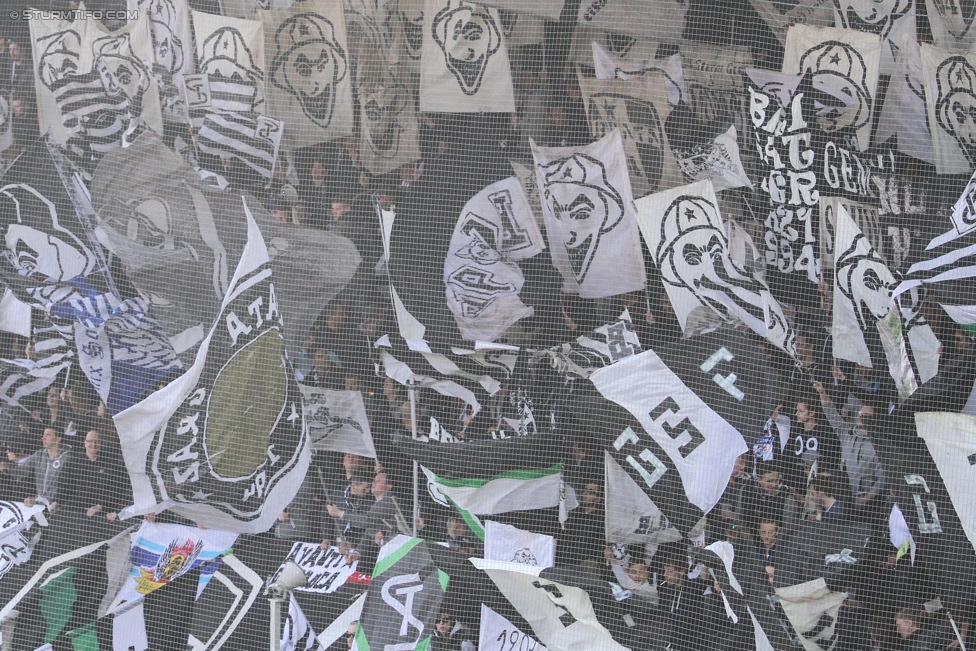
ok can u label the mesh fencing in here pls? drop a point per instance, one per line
(581, 325)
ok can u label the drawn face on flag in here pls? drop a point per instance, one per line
(35, 241)
(874, 16)
(468, 36)
(865, 280)
(694, 254)
(957, 15)
(580, 197)
(840, 94)
(121, 71)
(643, 133)
(409, 20)
(59, 59)
(382, 107)
(149, 223)
(226, 57)
(168, 49)
(309, 64)
(955, 108)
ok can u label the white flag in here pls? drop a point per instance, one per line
(230, 55)
(951, 440)
(561, 616)
(844, 66)
(812, 610)
(903, 113)
(892, 22)
(504, 542)
(638, 108)
(464, 66)
(496, 629)
(609, 66)
(337, 421)
(667, 24)
(309, 80)
(632, 517)
(688, 241)
(950, 91)
(589, 211)
(495, 231)
(667, 409)
(952, 24)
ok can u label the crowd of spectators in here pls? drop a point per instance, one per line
(63, 450)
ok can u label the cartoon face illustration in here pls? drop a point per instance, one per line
(382, 106)
(579, 196)
(229, 64)
(468, 36)
(955, 108)
(168, 49)
(839, 78)
(149, 223)
(874, 16)
(309, 64)
(35, 242)
(643, 133)
(866, 281)
(693, 254)
(120, 71)
(957, 15)
(59, 58)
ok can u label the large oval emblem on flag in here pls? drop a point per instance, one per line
(247, 400)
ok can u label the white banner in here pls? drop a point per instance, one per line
(504, 542)
(337, 421)
(702, 444)
(499, 633)
(589, 211)
(951, 440)
(326, 570)
(950, 90)
(464, 64)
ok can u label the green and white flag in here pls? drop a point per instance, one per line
(514, 490)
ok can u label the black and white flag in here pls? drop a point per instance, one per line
(867, 325)
(812, 608)
(561, 616)
(952, 24)
(618, 16)
(326, 570)
(632, 49)
(717, 161)
(387, 110)
(606, 345)
(715, 81)
(638, 108)
(948, 266)
(892, 22)
(464, 67)
(545, 8)
(607, 65)
(94, 87)
(497, 629)
(843, 67)
(337, 421)
(404, 597)
(309, 73)
(589, 211)
(951, 441)
(230, 58)
(226, 443)
(688, 241)
(169, 23)
(6, 127)
(904, 113)
(780, 16)
(632, 516)
(700, 443)
(496, 230)
(949, 80)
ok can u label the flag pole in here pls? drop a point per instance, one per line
(955, 629)
(412, 392)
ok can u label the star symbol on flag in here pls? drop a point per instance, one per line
(689, 213)
(835, 59)
(303, 29)
(200, 495)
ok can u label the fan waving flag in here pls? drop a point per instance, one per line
(226, 442)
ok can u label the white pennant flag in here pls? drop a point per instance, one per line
(504, 542)
(589, 211)
(812, 610)
(951, 440)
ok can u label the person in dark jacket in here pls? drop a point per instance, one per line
(96, 483)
